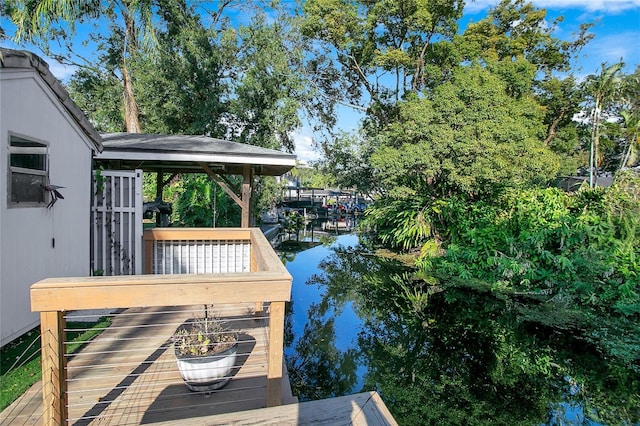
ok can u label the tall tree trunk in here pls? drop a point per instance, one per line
(131, 111)
(595, 142)
(551, 132)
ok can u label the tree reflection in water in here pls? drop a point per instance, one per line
(458, 355)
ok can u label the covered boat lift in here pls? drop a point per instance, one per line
(174, 154)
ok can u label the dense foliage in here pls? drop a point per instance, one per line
(452, 353)
(575, 254)
(571, 258)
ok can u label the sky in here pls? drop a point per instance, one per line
(616, 30)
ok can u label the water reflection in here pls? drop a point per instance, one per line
(358, 322)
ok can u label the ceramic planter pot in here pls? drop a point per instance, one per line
(207, 373)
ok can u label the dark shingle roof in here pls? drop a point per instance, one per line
(185, 153)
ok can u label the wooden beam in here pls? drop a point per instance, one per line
(168, 181)
(231, 185)
(54, 380)
(147, 247)
(222, 184)
(159, 188)
(244, 199)
(263, 256)
(276, 349)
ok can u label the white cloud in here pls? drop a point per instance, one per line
(608, 6)
(474, 6)
(611, 48)
(60, 71)
(304, 147)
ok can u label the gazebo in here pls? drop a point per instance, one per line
(169, 155)
(117, 207)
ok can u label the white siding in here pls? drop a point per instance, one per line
(36, 242)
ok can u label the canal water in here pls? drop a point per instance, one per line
(459, 356)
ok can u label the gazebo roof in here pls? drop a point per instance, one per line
(187, 153)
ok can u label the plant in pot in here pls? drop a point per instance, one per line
(205, 351)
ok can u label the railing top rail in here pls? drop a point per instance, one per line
(198, 234)
(268, 281)
(62, 294)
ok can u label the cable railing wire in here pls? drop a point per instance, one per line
(130, 369)
(18, 363)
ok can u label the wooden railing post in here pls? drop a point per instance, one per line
(54, 373)
(276, 349)
(147, 247)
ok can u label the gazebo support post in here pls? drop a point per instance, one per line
(247, 188)
(159, 188)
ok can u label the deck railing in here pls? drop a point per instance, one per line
(238, 265)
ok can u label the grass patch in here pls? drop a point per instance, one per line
(20, 360)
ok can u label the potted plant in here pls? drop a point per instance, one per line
(205, 352)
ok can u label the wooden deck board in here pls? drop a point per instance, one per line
(363, 409)
(139, 383)
(129, 374)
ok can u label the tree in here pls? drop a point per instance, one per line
(185, 84)
(561, 100)
(368, 54)
(205, 74)
(268, 86)
(632, 132)
(350, 165)
(515, 31)
(631, 119)
(600, 89)
(469, 140)
(469, 137)
(514, 43)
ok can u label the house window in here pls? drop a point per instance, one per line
(28, 168)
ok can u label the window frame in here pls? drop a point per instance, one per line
(43, 150)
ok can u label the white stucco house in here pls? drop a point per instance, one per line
(45, 140)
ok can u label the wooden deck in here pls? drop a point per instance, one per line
(112, 381)
(363, 409)
(145, 387)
